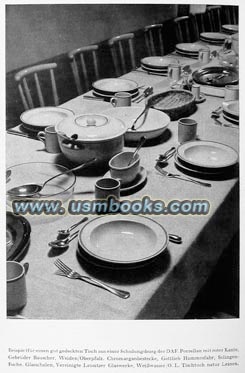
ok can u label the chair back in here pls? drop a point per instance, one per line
(214, 16)
(121, 47)
(29, 80)
(154, 40)
(81, 66)
(182, 27)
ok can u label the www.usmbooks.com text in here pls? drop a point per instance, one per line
(144, 206)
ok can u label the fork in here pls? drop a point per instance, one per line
(68, 272)
(177, 176)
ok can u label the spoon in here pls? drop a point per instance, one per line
(64, 233)
(29, 190)
(62, 244)
(141, 142)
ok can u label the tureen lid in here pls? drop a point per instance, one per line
(92, 127)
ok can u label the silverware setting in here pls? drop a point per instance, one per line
(64, 270)
(12, 132)
(65, 233)
(147, 92)
(63, 243)
(180, 177)
(163, 158)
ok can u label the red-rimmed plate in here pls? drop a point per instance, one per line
(18, 231)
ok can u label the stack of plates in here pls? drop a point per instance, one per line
(216, 38)
(190, 50)
(205, 159)
(158, 64)
(231, 111)
(230, 29)
(106, 88)
(35, 120)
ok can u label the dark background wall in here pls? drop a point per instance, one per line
(38, 32)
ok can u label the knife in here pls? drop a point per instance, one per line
(12, 132)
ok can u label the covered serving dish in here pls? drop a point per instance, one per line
(87, 136)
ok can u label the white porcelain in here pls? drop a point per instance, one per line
(50, 139)
(120, 168)
(208, 154)
(107, 187)
(230, 28)
(158, 62)
(136, 183)
(155, 124)
(16, 286)
(189, 47)
(232, 108)
(115, 85)
(187, 130)
(124, 240)
(121, 99)
(213, 36)
(42, 117)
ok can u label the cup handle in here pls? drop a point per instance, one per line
(41, 136)
(113, 101)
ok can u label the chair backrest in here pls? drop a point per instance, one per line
(121, 46)
(26, 93)
(231, 14)
(214, 15)
(153, 39)
(182, 27)
(79, 64)
(199, 23)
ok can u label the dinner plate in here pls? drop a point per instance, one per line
(188, 55)
(230, 28)
(153, 70)
(158, 62)
(39, 118)
(123, 240)
(109, 96)
(201, 174)
(189, 47)
(208, 154)
(155, 123)
(212, 76)
(231, 120)
(213, 36)
(135, 184)
(231, 108)
(114, 85)
(18, 231)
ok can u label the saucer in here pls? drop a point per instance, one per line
(201, 99)
(135, 184)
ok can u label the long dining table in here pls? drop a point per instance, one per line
(164, 289)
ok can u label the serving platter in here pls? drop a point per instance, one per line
(208, 154)
(216, 76)
(123, 240)
(18, 231)
(154, 125)
(110, 86)
(39, 118)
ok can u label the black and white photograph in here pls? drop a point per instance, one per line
(122, 161)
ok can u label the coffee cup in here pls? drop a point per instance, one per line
(124, 168)
(121, 99)
(50, 138)
(187, 130)
(231, 92)
(107, 187)
(16, 286)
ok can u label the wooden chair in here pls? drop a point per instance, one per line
(214, 16)
(182, 27)
(121, 47)
(80, 61)
(230, 14)
(28, 86)
(199, 23)
(153, 39)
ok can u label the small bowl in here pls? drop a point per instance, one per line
(120, 169)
